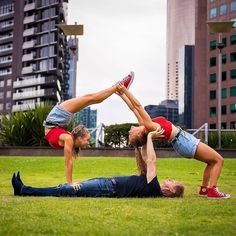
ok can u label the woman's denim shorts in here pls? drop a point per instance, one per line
(58, 117)
(186, 144)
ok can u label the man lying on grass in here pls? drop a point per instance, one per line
(119, 186)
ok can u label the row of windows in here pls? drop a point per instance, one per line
(6, 35)
(5, 59)
(213, 43)
(8, 94)
(5, 24)
(7, 71)
(6, 9)
(49, 13)
(47, 38)
(224, 59)
(6, 47)
(8, 106)
(2, 82)
(224, 125)
(232, 93)
(214, 12)
(232, 110)
(46, 2)
(212, 77)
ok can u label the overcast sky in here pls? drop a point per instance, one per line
(120, 36)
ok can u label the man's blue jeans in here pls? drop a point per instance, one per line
(97, 187)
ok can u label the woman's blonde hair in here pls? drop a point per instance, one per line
(78, 132)
(139, 139)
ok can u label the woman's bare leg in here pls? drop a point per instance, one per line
(214, 163)
(76, 104)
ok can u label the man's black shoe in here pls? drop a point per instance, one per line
(16, 184)
(18, 177)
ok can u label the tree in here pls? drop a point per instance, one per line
(117, 136)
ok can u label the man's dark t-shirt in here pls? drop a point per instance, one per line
(136, 186)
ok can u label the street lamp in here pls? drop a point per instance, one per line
(219, 27)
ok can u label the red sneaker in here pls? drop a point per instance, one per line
(214, 193)
(203, 191)
(127, 81)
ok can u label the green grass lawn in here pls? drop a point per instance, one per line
(190, 215)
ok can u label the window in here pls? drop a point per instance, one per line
(6, 9)
(213, 12)
(232, 56)
(9, 82)
(212, 45)
(233, 74)
(213, 61)
(213, 77)
(223, 9)
(212, 94)
(224, 41)
(234, 24)
(8, 106)
(212, 126)
(1, 95)
(1, 107)
(1, 83)
(224, 75)
(232, 39)
(212, 0)
(8, 94)
(233, 91)
(233, 125)
(223, 125)
(212, 111)
(224, 59)
(223, 93)
(224, 110)
(233, 108)
(233, 6)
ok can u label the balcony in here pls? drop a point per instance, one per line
(25, 107)
(29, 32)
(28, 82)
(29, 19)
(29, 44)
(29, 94)
(30, 6)
(27, 69)
(28, 57)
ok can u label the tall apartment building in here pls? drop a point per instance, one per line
(33, 54)
(180, 32)
(206, 66)
(73, 58)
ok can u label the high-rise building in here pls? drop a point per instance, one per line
(33, 62)
(206, 66)
(186, 85)
(73, 58)
(180, 32)
(167, 108)
(88, 118)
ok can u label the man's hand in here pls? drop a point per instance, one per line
(156, 134)
(76, 186)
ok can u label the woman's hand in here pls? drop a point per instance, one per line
(76, 186)
(158, 133)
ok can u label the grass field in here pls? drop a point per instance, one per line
(190, 215)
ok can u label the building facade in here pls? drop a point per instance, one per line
(88, 118)
(167, 108)
(73, 59)
(186, 85)
(180, 32)
(33, 62)
(206, 93)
